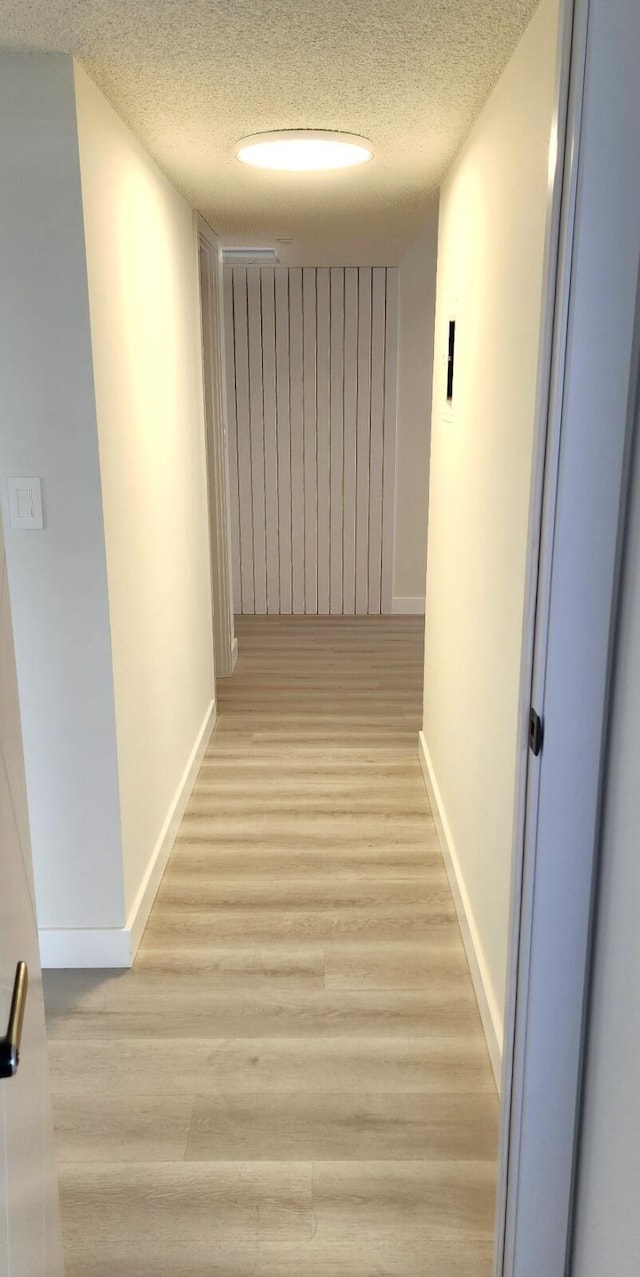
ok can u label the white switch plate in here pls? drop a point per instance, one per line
(25, 504)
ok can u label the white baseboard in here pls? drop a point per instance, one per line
(408, 605)
(232, 662)
(116, 946)
(89, 948)
(487, 1006)
(141, 908)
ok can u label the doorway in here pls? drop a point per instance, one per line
(533, 1112)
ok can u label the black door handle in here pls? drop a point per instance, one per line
(10, 1043)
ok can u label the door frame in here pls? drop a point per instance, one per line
(578, 511)
(211, 300)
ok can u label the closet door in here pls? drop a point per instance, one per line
(312, 396)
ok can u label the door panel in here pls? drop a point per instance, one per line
(29, 1213)
(311, 386)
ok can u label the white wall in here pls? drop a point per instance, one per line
(145, 329)
(416, 318)
(57, 576)
(490, 272)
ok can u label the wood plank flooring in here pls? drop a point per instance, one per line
(293, 1078)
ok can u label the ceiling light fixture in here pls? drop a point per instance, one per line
(304, 150)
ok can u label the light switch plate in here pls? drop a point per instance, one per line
(25, 504)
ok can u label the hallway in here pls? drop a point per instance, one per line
(293, 1079)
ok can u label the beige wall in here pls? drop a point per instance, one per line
(57, 576)
(416, 315)
(144, 308)
(491, 255)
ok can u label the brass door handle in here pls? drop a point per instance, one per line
(10, 1043)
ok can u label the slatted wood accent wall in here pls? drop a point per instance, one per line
(311, 386)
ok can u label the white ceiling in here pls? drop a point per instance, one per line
(192, 77)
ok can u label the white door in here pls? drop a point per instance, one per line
(30, 1243)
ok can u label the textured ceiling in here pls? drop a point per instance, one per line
(191, 77)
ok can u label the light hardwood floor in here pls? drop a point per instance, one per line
(293, 1078)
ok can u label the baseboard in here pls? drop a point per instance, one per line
(117, 946)
(141, 908)
(408, 606)
(489, 1012)
(233, 658)
(91, 948)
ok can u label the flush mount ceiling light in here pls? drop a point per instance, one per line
(304, 150)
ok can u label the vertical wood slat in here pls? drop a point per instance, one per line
(350, 416)
(214, 369)
(297, 439)
(363, 440)
(323, 448)
(241, 335)
(376, 443)
(256, 425)
(284, 437)
(389, 446)
(309, 387)
(336, 440)
(270, 438)
(312, 359)
(232, 438)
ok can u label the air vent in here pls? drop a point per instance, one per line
(250, 257)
